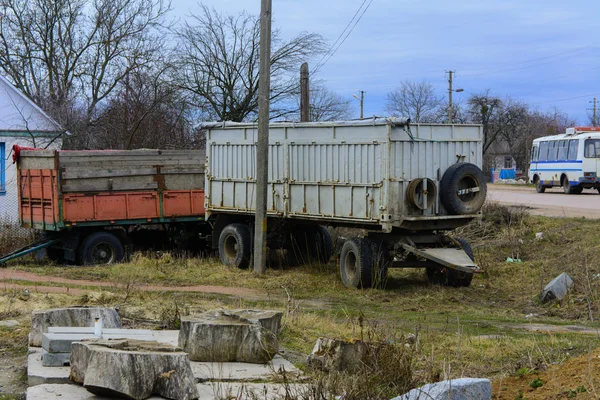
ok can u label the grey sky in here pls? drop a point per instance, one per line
(546, 53)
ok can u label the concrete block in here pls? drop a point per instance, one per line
(56, 359)
(89, 330)
(133, 369)
(454, 389)
(61, 343)
(222, 336)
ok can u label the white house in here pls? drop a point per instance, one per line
(23, 123)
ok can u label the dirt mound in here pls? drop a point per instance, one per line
(576, 378)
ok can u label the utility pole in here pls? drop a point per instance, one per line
(362, 102)
(595, 112)
(450, 111)
(262, 147)
(304, 94)
(450, 91)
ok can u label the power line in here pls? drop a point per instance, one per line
(565, 99)
(341, 34)
(346, 37)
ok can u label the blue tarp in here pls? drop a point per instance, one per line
(509, 173)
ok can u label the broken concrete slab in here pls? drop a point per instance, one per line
(219, 336)
(454, 389)
(236, 390)
(557, 288)
(61, 343)
(39, 375)
(104, 368)
(64, 392)
(105, 331)
(9, 323)
(243, 372)
(206, 391)
(338, 355)
(73, 316)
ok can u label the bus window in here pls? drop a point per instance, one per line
(592, 148)
(534, 153)
(543, 151)
(573, 145)
(563, 150)
(552, 150)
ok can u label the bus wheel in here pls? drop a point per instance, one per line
(568, 188)
(538, 186)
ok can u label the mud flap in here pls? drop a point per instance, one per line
(449, 257)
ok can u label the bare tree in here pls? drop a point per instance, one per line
(326, 105)
(68, 53)
(415, 100)
(219, 59)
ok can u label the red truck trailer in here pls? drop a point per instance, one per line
(87, 202)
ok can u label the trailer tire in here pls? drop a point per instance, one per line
(381, 263)
(355, 263)
(101, 248)
(235, 246)
(459, 177)
(322, 250)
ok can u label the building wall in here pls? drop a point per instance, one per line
(8, 198)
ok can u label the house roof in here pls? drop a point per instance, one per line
(18, 114)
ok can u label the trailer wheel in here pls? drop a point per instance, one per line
(322, 248)
(101, 248)
(381, 262)
(463, 189)
(307, 245)
(235, 246)
(355, 263)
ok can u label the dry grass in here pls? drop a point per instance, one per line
(13, 237)
(460, 332)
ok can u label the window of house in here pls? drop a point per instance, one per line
(2, 168)
(543, 151)
(563, 150)
(507, 162)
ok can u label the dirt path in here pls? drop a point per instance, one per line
(8, 275)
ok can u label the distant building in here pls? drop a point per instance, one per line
(22, 122)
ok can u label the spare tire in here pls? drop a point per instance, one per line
(463, 189)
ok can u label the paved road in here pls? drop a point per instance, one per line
(553, 203)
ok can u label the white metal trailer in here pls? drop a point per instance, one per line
(405, 183)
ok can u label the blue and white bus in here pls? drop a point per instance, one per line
(570, 160)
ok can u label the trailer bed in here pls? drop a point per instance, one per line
(60, 189)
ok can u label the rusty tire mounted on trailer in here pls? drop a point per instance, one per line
(356, 260)
(235, 246)
(463, 189)
(101, 248)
